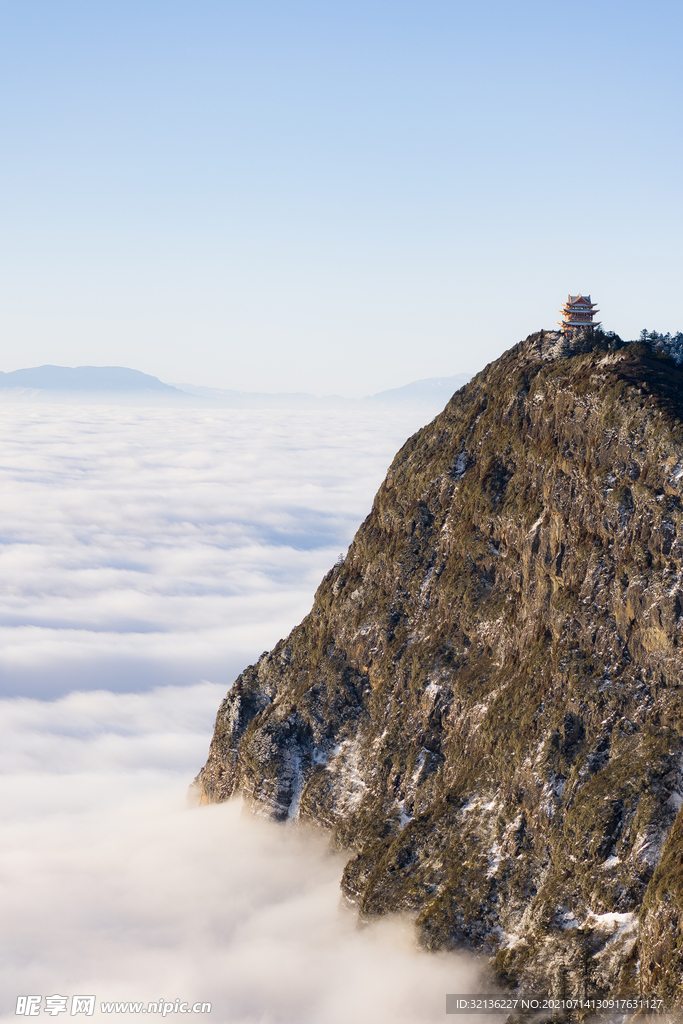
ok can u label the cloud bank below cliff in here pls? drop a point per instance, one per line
(141, 546)
(111, 885)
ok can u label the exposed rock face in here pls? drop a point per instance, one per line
(485, 701)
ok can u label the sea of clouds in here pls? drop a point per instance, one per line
(146, 556)
(147, 546)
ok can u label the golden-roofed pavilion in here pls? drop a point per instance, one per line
(577, 313)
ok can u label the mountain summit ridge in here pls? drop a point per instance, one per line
(484, 704)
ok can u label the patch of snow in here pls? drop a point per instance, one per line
(297, 789)
(610, 920)
(675, 801)
(495, 856)
(427, 581)
(621, 924)
(648, 848)
(611, 359)
(404, 816)
(610, 863)
(416, 774)
(471, 805)
(477, 804)
(460, 467)
(538, 522)
(376, 742)
(350, 783)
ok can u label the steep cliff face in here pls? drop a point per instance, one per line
(484, 704)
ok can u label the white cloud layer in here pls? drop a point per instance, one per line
(140, 546)
(148, 546)
(111, 885)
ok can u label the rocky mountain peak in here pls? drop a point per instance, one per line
(555, 345)
(484, 704)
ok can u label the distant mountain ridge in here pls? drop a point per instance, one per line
(430, 391)
(84, 379)
(38, 382)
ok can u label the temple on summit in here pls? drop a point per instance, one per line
(578, 312)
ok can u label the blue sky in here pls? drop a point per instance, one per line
(332, 197)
